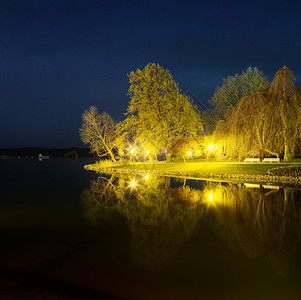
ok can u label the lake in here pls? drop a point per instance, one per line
(67, 233)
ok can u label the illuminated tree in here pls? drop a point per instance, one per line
(99, 130)
(285, 110)
(157, 113)
(267, 122)
(185, 147)
(242, 135)
(234, 88)
(210, 119)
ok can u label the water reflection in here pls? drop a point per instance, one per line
(260, 222)
(159, 218)
(160, 215)
(100, 201)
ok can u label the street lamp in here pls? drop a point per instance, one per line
(132, 153)
(146, 154)
(210, 147)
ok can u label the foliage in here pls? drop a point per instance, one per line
(267, 122)
(210, 119)
(234, 88)
(185, 147)
(99, 130)
(285, 99)
(157, 113)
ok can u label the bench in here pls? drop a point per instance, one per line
(255, 159)
(271, 160)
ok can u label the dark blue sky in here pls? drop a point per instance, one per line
(60, 57)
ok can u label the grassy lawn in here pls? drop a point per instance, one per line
(203, 166)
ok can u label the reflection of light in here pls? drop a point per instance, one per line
(210, 197)
(146, 176)
(210, 147)
(252, 185)
(133, 183)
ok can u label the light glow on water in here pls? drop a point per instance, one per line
(153, 226)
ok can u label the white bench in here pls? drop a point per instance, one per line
(255, 159)
(271, 160)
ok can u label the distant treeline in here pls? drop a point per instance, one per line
(52, 152)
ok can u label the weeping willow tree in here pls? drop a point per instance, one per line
(285, 100)
(241, 135)
(264, 123)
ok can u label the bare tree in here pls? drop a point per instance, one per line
(98, 130)
(234, 88)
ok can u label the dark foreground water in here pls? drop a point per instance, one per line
(66, 233)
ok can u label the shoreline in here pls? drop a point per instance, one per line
(193, 175)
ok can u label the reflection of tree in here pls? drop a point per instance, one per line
(260, 222)
(159, 218)
(100, 201)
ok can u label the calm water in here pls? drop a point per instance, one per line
(71, 234)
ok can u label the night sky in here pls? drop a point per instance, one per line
(60, 57)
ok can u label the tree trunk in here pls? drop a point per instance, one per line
(168, 156)
(287, 156)
(167, 182)
(287, 153)
(112, 155)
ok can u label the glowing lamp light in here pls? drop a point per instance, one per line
(210, 147)
(210, 197)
